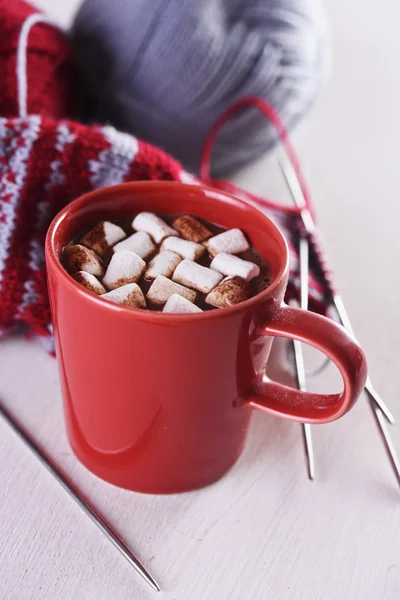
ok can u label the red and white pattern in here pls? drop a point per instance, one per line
(43, 165)
(17, 145)
(36, 251)
(113, 163)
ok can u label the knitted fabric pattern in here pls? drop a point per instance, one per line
(44, 164)
(51, 72)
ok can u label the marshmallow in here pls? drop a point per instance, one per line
(89, 282)
(230, 265)
(140, 243)
(124, 267)
(152, 224)
(197, 277)
(78, 258)
(232, 241)
(184, 248)
(101, 237)
(127, 295)
(164, 263)
(162, 288)
(231, 290)
(179, 304)
(191, 229)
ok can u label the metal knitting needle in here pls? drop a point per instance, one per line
(76, 495)
(372, 397)
(298, 350)
(390, 449)
(298, 354)
(370, 390)
(376, 403)
(308, 222)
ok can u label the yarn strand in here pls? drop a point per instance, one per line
(270, 112)
(21, 62)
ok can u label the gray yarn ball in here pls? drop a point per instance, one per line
(165, 70)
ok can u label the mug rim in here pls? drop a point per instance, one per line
(151, 315)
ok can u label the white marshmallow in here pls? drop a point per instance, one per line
(140, 243)
(184, 248)
(230, 265)
(164, 263)
(89, 282)
(127, 295)
(101, 237)
(230, 291)
(195, 276)
(191, 228)
(124, 267)
(162, 288)
(232, 241)
(179, 304)
(152, 224)
(79, 258)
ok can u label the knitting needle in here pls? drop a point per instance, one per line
(75, 494)
(370, 390)
(298, 350)
(372, 395)
(377, 405)
(306, 427)
(390, 449)
(298, 354)
(308, 222)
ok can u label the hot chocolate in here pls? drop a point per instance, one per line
(172, 264)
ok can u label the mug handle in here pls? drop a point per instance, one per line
(334, 341)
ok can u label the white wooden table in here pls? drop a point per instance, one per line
(264, 532)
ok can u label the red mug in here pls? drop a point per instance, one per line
(161, 403)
